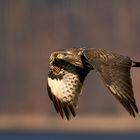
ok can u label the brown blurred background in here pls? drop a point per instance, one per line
(31, 29)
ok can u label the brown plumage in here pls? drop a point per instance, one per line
(68, 69)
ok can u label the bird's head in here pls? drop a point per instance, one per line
(73, 56)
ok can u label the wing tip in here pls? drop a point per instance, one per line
(134, 111)
(67, 110)
(130, 106)
(63, 108)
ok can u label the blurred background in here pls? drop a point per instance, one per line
(31, 29)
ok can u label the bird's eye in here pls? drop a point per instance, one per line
(60, 56)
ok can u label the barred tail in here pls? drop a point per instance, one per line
(135, 64)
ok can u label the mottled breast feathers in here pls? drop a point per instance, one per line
(68, 69)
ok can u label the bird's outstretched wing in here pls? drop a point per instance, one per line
(115, 71)
(64, 94)
(65, 81)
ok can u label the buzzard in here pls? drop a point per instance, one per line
(68, 69)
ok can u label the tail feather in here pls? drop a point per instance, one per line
(135, 64)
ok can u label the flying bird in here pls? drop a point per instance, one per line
(68, 69)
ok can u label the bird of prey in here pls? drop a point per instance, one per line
(68, 69)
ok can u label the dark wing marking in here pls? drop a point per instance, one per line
(115, 71)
